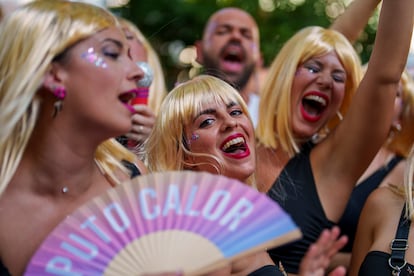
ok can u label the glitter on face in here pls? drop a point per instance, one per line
(194, 136)
(94, 58)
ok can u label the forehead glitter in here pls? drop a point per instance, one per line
(94, 58)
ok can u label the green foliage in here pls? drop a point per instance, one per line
(172, 24)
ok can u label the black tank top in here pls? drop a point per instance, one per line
(349, 221)
(3, 270)
(378, 263)
(296, 193)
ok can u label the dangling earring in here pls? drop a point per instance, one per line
(60, 94)
(397, 127)
(338, 113)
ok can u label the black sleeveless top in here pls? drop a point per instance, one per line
(133, 169)
(349, 220)
(378, 263)
(3, 270)
(296, 193)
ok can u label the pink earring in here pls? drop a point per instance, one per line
(60, 93)
(194, 137)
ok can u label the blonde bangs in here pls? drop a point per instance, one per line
(202, 90)
(179, 108)
(320, 41)
(274, 126)
(69, 23)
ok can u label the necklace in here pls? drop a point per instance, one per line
(65, 189)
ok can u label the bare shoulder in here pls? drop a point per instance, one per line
(383, 208)
(396, 176)
(383, 198)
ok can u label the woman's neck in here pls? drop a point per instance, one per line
(58, 178)
(58, 164)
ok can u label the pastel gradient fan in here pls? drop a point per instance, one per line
(194, 222)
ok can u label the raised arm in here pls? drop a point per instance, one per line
(355, 18)
(346, 153)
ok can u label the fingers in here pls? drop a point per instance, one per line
(339, 271)
(319, 254)
(142, 124)
(335, 243)
(144, 116)
(139, 133)
(144, 110)
(140, 130)
(329, 244)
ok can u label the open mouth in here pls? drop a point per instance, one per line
(126, 98)
(233, 58)
(313, 105)
(235, 146)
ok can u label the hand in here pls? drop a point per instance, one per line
(319, 255)
(142, 123)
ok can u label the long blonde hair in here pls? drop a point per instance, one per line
(274, 127)
(31, 37)
(408, 185)
(403, 138)
(167, 147)
(403, 143)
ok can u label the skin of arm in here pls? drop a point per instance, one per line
(335, 161)
(355, 18)
(365, 235)
(376, 229)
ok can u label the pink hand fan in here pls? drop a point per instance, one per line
(195, 222)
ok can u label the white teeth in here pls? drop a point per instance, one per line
(316, 98)
(234, 141)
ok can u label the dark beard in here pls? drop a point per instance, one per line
(212, 68)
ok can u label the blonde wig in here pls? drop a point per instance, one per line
(32, 37)
(274, 127)
(408, 185)
(167, 146)
(158, 89)
(402, 139)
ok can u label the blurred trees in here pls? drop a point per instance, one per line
(172, 25)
